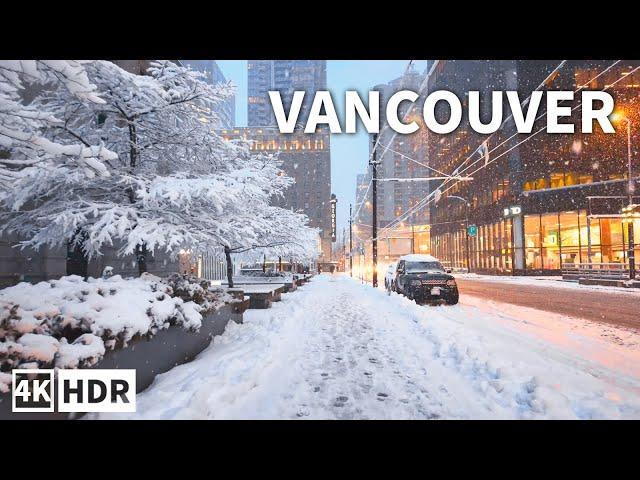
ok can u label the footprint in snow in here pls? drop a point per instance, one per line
(382, 396)
(340, 401)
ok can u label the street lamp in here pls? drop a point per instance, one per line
(630, 212)
(620, 116)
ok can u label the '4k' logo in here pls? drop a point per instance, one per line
(33, 390)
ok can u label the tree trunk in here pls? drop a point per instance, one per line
(280, 264)
(264, 263)
(227, 254)
(133, 145)
(141, 256)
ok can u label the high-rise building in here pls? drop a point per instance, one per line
(401, 157)
(306, 158)
(285, 76)
(541, 202)
(226, 113)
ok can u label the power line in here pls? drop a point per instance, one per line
(422, 204)
(378, 143)
(427, 200)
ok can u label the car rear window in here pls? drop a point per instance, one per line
(423, 266)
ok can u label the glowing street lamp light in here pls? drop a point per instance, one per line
(629, 212)
(619, 116)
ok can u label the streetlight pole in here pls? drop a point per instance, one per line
(631, 189)
(344, 248)
(350, 243)
(374, 232)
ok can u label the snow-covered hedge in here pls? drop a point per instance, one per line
(70, 322)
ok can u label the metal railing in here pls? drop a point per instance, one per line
(596, 270)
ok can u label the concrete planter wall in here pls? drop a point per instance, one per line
(149, 356)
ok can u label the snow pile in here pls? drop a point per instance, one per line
(70, 322)
(339, 349)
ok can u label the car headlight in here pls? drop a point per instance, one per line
(416, 282)
(451, 283)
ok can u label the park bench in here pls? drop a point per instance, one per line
(289, 284)
(260, 295)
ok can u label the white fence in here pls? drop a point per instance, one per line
(214, 266)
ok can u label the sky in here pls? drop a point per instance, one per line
(349, 152)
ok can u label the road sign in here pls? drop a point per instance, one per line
(472, 230)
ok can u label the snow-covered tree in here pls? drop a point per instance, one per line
(26, 123)
(174, 185)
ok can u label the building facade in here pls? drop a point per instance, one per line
(226, 112)
(307, 159)
(540, 201)
(399, 157)
(285, 76)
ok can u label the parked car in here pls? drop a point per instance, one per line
(390, 277)
(423, 278)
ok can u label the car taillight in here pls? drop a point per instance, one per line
(451, 283)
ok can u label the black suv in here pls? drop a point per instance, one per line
(423, 278)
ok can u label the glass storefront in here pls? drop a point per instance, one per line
(491, 249)
(554, 239)
(550, 241)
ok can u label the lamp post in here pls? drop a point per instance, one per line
(630, 212)
(350, 243)
(374, 232)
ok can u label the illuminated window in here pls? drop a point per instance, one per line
(541, 183)
(557, 180)
(585, 179)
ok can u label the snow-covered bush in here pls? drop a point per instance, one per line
(70, 322)
(200, 291)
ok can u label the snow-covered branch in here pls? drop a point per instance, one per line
(165, 180)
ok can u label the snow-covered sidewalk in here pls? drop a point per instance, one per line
(339, 349)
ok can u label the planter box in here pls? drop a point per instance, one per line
(149, 356)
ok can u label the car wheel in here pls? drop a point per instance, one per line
(453, 298)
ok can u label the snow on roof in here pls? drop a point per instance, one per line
(416, 257)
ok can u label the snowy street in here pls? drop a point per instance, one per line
(567, 298)
(336, 349)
